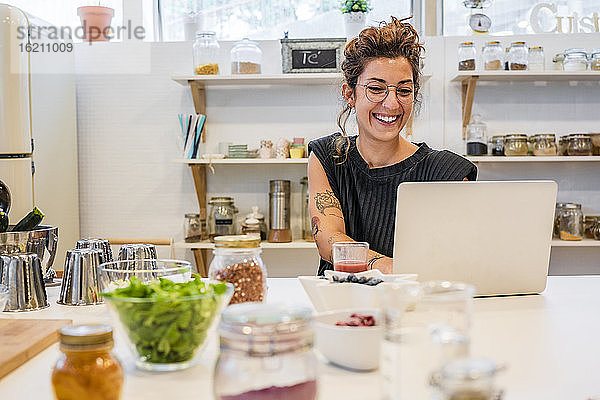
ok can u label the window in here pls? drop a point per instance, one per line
(268, 19)
(514, 17)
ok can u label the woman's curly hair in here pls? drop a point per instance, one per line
(390, 40)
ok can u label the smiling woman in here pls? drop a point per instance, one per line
(353, 180)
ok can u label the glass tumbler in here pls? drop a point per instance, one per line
(426, 325)
(350, 256)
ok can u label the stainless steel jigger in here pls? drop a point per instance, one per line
(22, 274)
(97, 244)
(80, 278)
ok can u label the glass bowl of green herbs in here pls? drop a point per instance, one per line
(165, 311)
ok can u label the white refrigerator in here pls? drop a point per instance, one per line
(38, 129)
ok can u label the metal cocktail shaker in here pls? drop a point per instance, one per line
(279, 211)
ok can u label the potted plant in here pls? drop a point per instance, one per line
(355, 16)
(95, 21)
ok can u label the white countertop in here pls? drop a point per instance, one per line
(550, 343)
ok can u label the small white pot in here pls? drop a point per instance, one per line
(354, 23)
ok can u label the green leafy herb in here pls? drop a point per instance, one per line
(172, 324)
(348, 6)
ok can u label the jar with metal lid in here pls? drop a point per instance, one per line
(266, 351)
(544, 145)
(206, 53)
(571, 222)
(595, 60)
(221, 216)
(251, 226)
(557, 212)
(497, 145)
(518, 56)
(516, 145)
(193, 228)
(467, 379)
(492, 56)
(237, 260)
(86, 368)
(558, 61)
(535, 59)
(575, 61)
(563, 143)
(589, 221)
(246, 57)
(466, 56)
(580, 145)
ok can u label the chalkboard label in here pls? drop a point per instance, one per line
(323, 59)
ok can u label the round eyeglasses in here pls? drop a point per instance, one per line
(377, 92)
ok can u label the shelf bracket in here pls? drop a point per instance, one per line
(199, 96)
(468, 93)
(200, 256)
(199, 175)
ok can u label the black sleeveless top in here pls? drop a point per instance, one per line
(368, 196)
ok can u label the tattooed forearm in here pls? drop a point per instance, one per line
(314, 224)
(333, 237)
(327, 201)
(372, 261)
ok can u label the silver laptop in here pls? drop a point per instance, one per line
(493, 235)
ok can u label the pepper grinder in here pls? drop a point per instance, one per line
(279, 212)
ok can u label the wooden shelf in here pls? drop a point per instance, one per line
(297, 244)
(580, 243)
(552, 159)
(528, 76)
(237, 161)
(328, 78)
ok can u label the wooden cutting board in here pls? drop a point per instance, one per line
(22, 339)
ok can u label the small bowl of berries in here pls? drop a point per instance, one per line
(350, 338)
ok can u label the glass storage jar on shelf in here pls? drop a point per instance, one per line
(492, 56)
(580, 145)
(516, 145)
(557, 61)
(221, 217)
(246, 57)
(557, 212)
(518, 56)
(544, 145)
(589, 221)
(206, 53)
(563, 143)
(237, 260)
(571, 222)
(497, 145)
(194, 228)
(86, 368)
(266, 352)
(306, 226)
(466, 56)
(575, 60)
(595, 60)
(536, 60)
(476, 137)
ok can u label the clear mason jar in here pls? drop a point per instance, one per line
(497, 145)
(518, 56)
(467, 379)
(492, 56)
(571, 222)
(237, 260)
(193, 228)
(544, 145)
(557, 212)
(466, 56)
(206, 54)
(221, 217)
(246, 57)
(563, 144)
(476, 137)
(516, 145)
(306, 228)
(589, 221)
(575, 61)
(595, 60)
(536, 60)
(558, 61)
(580, 145)
(266, 351)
